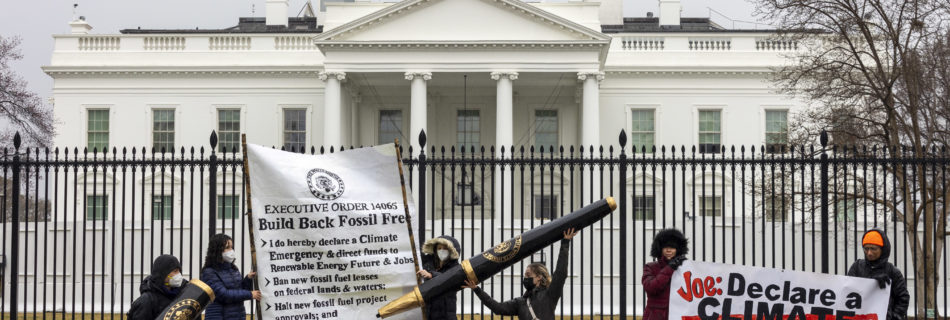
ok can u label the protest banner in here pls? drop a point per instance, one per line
(331, 233)
(714, 291)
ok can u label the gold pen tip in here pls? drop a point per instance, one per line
(407, 302)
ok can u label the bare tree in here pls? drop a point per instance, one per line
(875, 72)
(21, 109)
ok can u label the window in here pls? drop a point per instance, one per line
(97, 135)
(468, 125)
(846, 209)
(710, 134)
(644, 207)
(545, 206)
(97, 207)
(228, 206)
(545, 135)
(778, 211)
(162, 207)
(229, 130)
(710, 206)
(390, 126)
(163, 130)
(295, 129)
(642, 133)
(776, 130)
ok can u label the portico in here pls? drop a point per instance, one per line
(442, 55)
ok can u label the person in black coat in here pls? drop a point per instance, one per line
(224, 278)
(542, 290)
(877, 249)
(440, 254)
(158, 289)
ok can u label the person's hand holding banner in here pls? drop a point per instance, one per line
(677, 261)
(883, 280)
(714, 291)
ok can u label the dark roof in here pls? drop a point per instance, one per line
(652, 24)
(246, 25)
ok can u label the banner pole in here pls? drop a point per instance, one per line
(250, 227)
(405, 206)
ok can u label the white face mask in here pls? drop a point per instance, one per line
(176, 281)
(443, 254)
(229, 256)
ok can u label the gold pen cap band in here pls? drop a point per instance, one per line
(612, 203)
(469, 271)
(204, 287)
(407, 302)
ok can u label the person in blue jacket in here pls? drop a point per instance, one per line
(224, 278)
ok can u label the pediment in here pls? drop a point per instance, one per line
(461, 21)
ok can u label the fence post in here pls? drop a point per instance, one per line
(824, 202)
(15, 243)
(213, 185)
(622, 206)
(422, 185)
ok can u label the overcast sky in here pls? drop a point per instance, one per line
(35, 21)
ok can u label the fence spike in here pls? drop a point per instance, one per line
(623, 138)
(422, 138)
(214, 140)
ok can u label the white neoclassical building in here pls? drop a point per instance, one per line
(469, 72)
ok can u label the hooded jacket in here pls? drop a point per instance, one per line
(156, 296)
(900, 298)
(442, 307)
(657, 274)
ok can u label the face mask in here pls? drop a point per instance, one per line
(443, 254)
(229, 256)
(528, 283)
(176, 281)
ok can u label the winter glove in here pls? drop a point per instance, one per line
(677, 261)
(882, 280)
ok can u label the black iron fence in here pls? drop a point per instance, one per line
(80, 227)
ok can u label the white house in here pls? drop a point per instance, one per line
(470, 73)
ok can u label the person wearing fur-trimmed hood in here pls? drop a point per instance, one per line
(440, 254)
(669, 250)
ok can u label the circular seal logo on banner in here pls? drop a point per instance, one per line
(183, 310)
(325, 185)
(504, 251)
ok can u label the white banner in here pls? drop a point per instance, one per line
(714, 291)
(332, 241)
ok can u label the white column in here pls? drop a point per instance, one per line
(590, 108)
(504, 117)
(504, 137)
(332, 109)
(590, 133)
(417, 108)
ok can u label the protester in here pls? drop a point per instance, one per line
(438, 255)
(542, 291)
(224, 278)
(158, 289)
(669, 250)
(877, 249)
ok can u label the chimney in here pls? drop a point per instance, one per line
(276, 11)
(670, 12)
(79, 26)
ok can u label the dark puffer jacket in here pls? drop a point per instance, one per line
(230, 291)
(155, 294)
(543, 300)
(442, 307)
(900, 298)
(657, 274)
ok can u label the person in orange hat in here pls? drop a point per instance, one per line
(877, 249)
